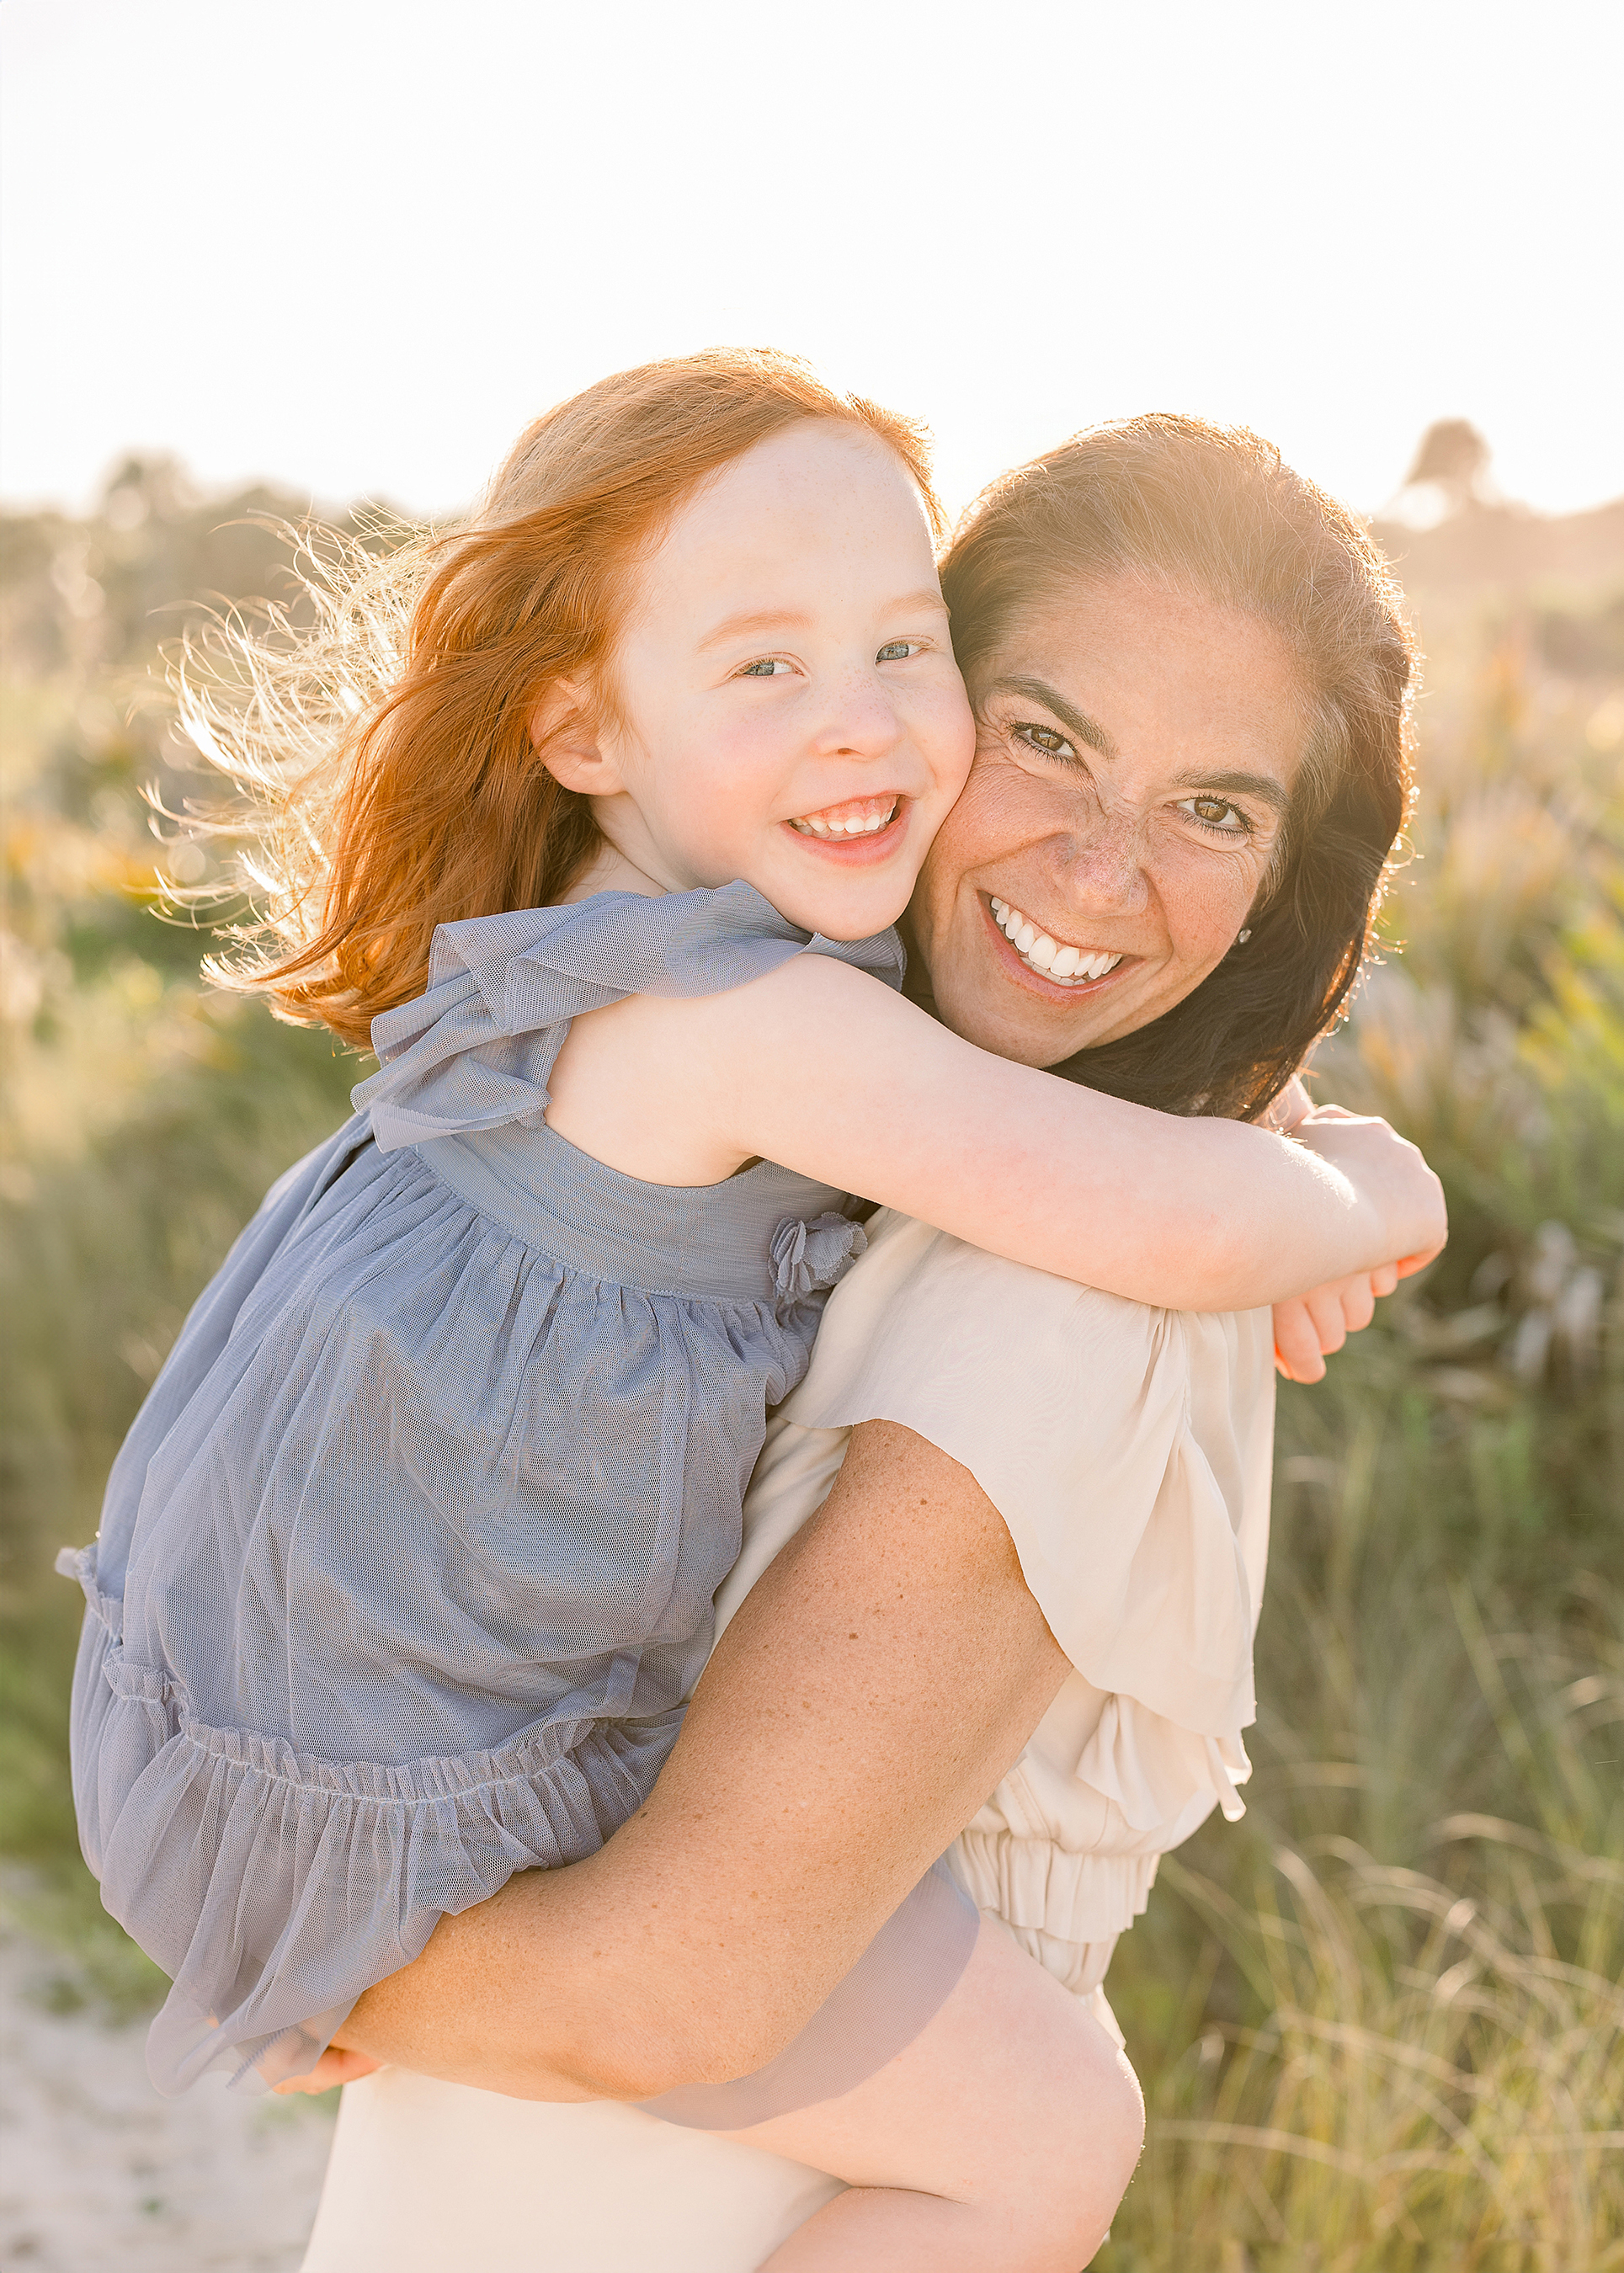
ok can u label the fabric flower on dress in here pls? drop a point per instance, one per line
(807, 1257)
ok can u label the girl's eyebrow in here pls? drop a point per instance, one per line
(1038, 690)
(769, 619)
(754, 619)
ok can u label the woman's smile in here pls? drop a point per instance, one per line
(1056, 962)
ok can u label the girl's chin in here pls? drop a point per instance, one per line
(862, 912)
(845, 895)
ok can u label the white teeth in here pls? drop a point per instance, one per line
(1069, 966)
(869, 825)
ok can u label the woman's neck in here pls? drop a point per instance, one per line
(916, 985)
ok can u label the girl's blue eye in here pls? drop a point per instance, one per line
(768, 667)
(896, 651)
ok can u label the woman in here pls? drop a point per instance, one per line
(1048, 1528)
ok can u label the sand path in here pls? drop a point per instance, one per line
(98, 2174)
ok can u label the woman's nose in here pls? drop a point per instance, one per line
(1106, 869)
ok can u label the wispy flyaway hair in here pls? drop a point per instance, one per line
(388, 753)
(1211, 512)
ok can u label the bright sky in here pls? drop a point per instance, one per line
(355, 245)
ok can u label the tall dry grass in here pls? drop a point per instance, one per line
(1378, 2021)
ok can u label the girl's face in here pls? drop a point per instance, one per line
(1135, 760)
(788, 708)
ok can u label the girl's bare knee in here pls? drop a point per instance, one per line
(1121, 2124)
(1099, 2135)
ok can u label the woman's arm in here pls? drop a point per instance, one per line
(875, 1685)
(828, 1072)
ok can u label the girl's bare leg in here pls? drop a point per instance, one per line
(1000, 2141)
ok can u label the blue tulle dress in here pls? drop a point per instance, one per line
(405, 1570)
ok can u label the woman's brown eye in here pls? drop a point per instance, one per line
(1217, 813)
(1045, 739)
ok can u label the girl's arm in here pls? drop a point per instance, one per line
(878, 1682)
(829, 1073)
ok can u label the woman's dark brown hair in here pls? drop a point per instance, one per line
(1211, 511)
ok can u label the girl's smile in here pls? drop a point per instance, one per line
(864, 832)
(784, 705)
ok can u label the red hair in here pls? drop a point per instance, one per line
(424, 799)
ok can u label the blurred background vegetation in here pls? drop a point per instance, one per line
(1379, 2022)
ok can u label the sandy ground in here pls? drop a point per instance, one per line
(97, 2173)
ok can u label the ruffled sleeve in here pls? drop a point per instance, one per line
(1129, 1453)
(1126, 1448)
(476, 1050)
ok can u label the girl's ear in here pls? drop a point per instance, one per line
(565, 741)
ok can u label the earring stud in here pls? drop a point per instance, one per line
(1241, 937)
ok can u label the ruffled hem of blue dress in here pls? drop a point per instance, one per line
(274, 1887)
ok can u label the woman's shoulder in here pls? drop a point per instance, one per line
(1126, 1448)
(916, 1282)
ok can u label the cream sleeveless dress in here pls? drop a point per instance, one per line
(1128, 1449)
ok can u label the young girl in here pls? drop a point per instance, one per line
(407, 1567)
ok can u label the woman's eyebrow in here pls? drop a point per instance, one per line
(1263, 786)
(1037, 690)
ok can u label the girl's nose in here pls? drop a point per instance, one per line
(861, 719)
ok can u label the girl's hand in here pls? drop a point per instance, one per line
(1290, 1109)
(1308, 1329)
(1390, 1176)
(335, 2066)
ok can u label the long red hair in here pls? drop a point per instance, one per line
(389, 753)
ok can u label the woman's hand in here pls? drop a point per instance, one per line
(335, 2066)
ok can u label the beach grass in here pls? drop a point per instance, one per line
(1378, 2021)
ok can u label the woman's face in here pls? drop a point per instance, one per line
(1135, 759)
